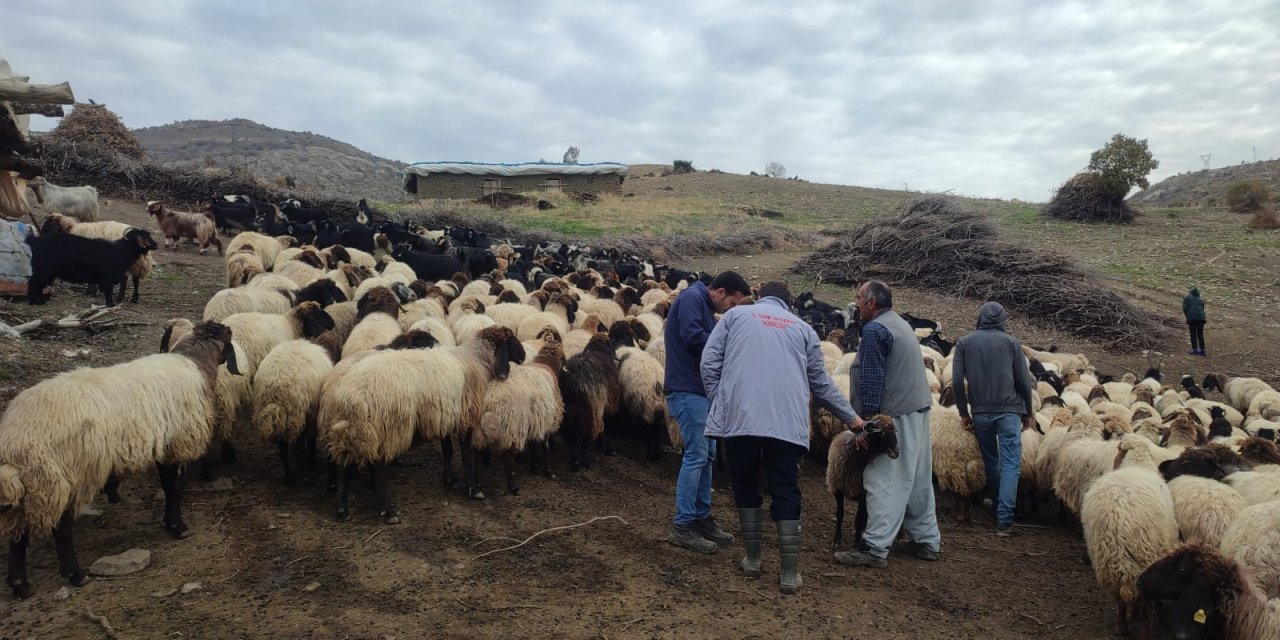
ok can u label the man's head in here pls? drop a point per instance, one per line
(727, 291)
(1195, 291)
(776, 289)
(873, 297)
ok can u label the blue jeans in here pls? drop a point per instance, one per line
(693, 485)
(1000, 438)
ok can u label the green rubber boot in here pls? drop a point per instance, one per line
(752, 522)
(789, 580)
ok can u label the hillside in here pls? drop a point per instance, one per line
(1197, 188)
(318, 164)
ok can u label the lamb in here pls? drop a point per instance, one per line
(80, 203)
(377, 323)
(1201, 593)
(61, 440)
(176, 225)
(957, 460)
(85, 260)
(242, 266)
(102, 230)
(847, 457)
(1128, 524)
(370, 415)
(228, 302)
(523, 409)
(641, 377)
(286, 385)
(591, 387)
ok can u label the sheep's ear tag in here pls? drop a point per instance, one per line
(1199, 617)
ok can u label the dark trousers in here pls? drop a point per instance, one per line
(1197, 334)
(747, 455)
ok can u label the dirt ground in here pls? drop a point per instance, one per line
(271, 561)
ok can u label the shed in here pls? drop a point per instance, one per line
(471, 180)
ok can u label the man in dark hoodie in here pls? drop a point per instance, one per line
(1193, 309)
(999, 395)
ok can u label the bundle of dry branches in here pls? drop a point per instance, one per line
(96, 126)
(932, 242)
(1086, 198)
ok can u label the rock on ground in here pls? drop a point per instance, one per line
(131, 561)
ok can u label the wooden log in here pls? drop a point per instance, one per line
(13, 91)
(25, 168)
(46, 110)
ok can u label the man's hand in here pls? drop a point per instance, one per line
(1028, 421)
(967, 423)
(855, 424)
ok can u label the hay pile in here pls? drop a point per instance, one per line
(932, 242)
(93, 126)
(1086, 198)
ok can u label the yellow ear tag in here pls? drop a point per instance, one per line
(1199, 617)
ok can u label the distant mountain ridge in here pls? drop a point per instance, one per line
(318, 164)
(1197, 188)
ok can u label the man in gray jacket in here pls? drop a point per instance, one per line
(998, 394)
(759, 368)
(888, 378)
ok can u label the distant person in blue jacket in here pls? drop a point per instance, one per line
(1193, 309)
(689, 324)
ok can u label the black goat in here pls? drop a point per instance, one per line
(428, 267)
(295, 212)
(229, 216)
(1192, 389)
(72, 258)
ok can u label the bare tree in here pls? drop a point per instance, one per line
(571, 155)
(775, 170)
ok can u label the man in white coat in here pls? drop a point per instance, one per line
(760, 366)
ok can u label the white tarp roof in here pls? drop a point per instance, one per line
(517, 169)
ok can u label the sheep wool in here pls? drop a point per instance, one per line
(1252, 539)
(1128, 520)
(526, 407)
(1257, 487)
(265, 247)
(1204, 508)
(286, 389)
(957, 461)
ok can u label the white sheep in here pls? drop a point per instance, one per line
(242, 266)
(286, 388)
(1204, 508)
(1257, 487)
(559, 314)
(80, 203)
(1129, 523)
(1253, 539)
(61, 440)
(522, 410)
(266, 247)
(438, 329)
(957, 460)
(228, 302)
(370, 414)
(377, 322)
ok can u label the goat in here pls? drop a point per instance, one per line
(80, 203)
(176, 225)
(84, 260)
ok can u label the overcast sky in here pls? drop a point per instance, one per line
(1003, 99)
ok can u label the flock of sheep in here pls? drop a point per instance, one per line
(362, 354)
(1178, 496)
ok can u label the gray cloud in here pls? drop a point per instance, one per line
(1005, 100)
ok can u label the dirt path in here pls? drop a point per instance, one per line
(273, 563)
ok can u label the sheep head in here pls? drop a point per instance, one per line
(621, 334)
(216, 332)
(506, 349)
(414, 339)
(174, 330)
(156, 208)
(549, 335)
(883, 428)
(315, 320)
(378, 300)
(1187, 587)
(508, 296)
(1260, 451)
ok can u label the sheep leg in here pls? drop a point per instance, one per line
(509, 469)
(446, 462)
(654, 452)
(124, 287)
(962, 508)
(835, 542)
(545, 450)
(486, 457)
(282, 446)
(108, 288)
(64, 544)
(469, 467)
(171, 483)
(228, 452)
(860, 519)
(112, 489)
(345, 476)
(382, 487)
(134, 299)
(17, 577)
(1122, 619)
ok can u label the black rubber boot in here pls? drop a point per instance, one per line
(789, 580)
(752, 523)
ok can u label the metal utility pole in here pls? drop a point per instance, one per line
(1206, 157)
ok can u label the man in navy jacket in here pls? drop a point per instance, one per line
(689, 324)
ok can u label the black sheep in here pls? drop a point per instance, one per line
(71, 258)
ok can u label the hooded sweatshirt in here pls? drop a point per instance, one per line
(1193, 307)
(992, 362)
